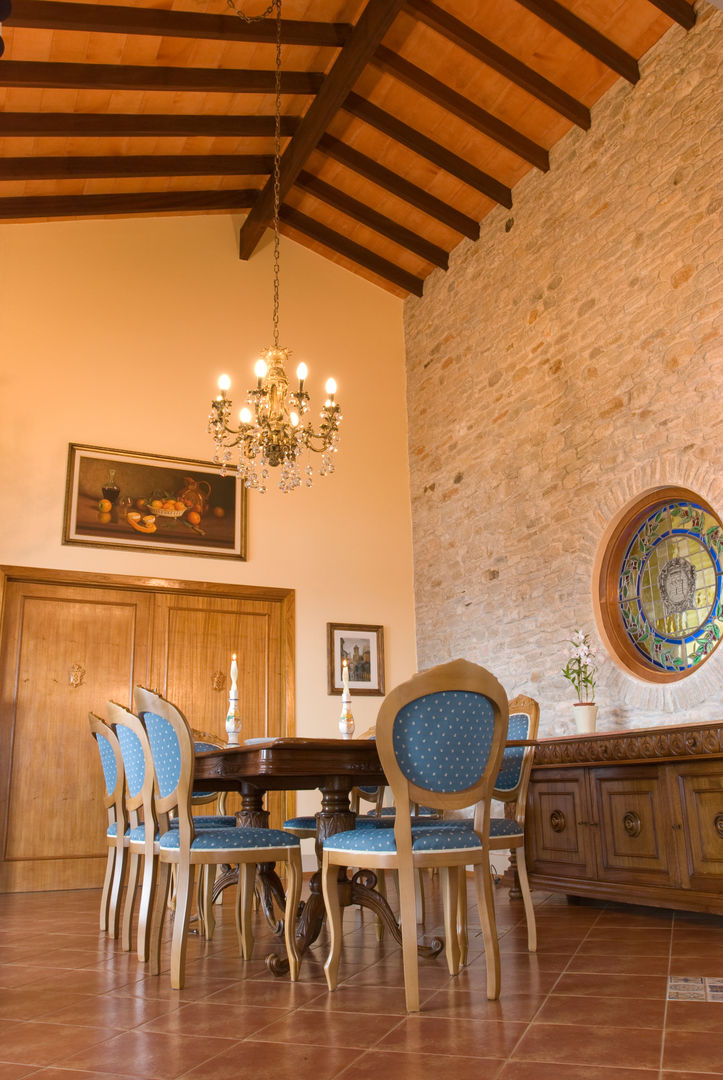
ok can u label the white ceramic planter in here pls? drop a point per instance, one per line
(585, 716)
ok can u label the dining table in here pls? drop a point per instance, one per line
(334, 766)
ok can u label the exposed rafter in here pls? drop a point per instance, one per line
(462, 108)
(589, 39)
(352, 251)
(372, 219)
(500, 61)
(151, 202)
(420, 144)
(371, 27)
(62, 76)
(678, 10)
(115, 19)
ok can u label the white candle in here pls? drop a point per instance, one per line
(345, 674)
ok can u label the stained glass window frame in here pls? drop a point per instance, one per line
(634, 636)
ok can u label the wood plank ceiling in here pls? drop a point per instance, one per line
(404, 121)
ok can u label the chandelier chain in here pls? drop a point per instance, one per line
(277, 171)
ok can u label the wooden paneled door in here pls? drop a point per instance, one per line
(69, 643)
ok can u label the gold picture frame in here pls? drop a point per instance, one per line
(363, 647)
(151, 502)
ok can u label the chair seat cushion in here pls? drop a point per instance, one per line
(309, 822)
(498, 826)
(243, 839)
(390, 812)
(363, 841)
(209, 821)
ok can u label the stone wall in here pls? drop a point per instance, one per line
(567, 361)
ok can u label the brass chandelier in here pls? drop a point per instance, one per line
(271, 432)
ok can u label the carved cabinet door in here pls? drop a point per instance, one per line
(700, 825)
(559, 839)
(634, 819)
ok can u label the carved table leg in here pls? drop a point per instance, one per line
(253, 815)
(512, 875)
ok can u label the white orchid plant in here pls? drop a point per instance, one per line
(581, 668)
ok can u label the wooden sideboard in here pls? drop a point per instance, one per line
(632, 816)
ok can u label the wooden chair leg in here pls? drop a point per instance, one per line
(527, 901)
(158, 916)
(420, 912)
(330, 890)
(486, 905)
(462, 931)
(107, 883)
(450, 895)
(293, 896)
(204, 902)
(150, 873)
(244, 908)
(382, 890)
(114, 908)
(408, 919)
(184, 892)
(134, 867)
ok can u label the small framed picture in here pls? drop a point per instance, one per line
(363, 649)
(123, 499)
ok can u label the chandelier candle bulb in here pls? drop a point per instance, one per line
(224, 383)
(301, 372)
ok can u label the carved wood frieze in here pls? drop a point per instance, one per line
(650, 744)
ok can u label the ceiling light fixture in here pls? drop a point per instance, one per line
(271, 431)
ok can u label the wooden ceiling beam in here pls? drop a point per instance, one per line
(364, 214)
(461, 107)
(108, 125)
(399, 187)
(417, 142)
(677, 10)
(370, 28)
(589, 39)
(67, 168)
(115, 19)
(352, 251)
(62, 76)
(150, 202)
(500, 61)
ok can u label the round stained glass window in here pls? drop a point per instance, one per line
(660, 586)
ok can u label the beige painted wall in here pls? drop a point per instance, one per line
(113, 333)
(570, 359)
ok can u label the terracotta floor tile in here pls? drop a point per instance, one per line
(304, 1027)
(606, 985)
(605, 1011)
(400, 1066)
(467, 1005)
(620, 1047)
(10, 1071)
(147, 1055)
(205, 1019)
(618, 964)
(667, 1075)
(388, 1000)
(541, 1070)
(278, 993)
(274, 1061)
(37, 1043)
(468, 1038)
(23, 1004)
(112, 1011)
(695, 1016)
(689, 1050)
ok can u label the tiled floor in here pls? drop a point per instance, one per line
(590, 1005)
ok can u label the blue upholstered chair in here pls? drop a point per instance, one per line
(114, 801)
(440, 738)
(142, 836)
(507, 833)
(170, 741)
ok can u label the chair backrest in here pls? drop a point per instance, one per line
(138, 768)
(203, 741)
(514, 775)
(111, 761)
(440, 737)
(171, 746)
